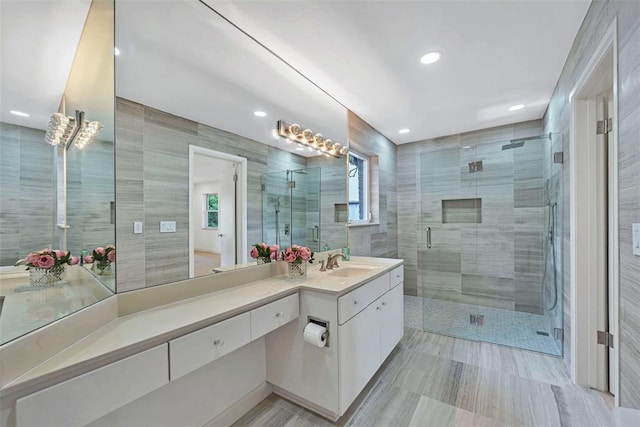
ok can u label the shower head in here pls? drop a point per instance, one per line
(513, 144)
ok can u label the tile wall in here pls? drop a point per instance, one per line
(598, 20)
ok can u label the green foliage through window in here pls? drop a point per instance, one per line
(210, 211)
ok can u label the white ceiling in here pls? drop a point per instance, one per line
(182, 58)
(366, 54)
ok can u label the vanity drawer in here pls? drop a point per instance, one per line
(396, 276)
(195, 350)
(87, 397)
(273, 315)
(357, 300)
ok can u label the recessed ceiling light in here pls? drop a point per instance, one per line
(116, 51)
(19, 113)
(404, 131)
(259, 113)
(431, 57)
(516, 107)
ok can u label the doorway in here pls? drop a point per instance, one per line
(594, 221)
(217, 211)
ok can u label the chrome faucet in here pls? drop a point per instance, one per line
(332, 261)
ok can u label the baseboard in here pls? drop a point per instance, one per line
(305, 404)
(241, 407)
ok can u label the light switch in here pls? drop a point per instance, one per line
(167, 226)
(636, 239)
(137, 227)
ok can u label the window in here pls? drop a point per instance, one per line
(358, 188)
(210, 211)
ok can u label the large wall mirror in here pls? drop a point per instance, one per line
(201, 175)
(57, 173)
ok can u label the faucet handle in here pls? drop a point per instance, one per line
(322, 266)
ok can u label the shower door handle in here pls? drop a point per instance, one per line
(428, 237)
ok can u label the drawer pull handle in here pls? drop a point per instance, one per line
(384, 303)
(397, 276)
(278, 314)
(355, 302)
(378, 308)
(218, 343)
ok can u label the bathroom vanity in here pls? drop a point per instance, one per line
(208, 359)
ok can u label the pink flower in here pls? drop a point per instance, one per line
(45, 261)
(111, 256)
(264, 245)
(304, 253)
(100, 250)
(275, 255)
(59, 253)
(32, 258)
(111, 247)
(254, 252)
(88, 259)
(290, 256)
(74, 260)
(274, 248)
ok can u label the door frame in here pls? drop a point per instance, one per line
(583, 240)
(241, 201)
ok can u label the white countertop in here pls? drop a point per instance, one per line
(139, 331)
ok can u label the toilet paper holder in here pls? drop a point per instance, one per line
(324, 323)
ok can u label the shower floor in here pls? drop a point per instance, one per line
(505, 327)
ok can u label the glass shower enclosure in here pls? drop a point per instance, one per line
(291, 208)
(490, 252)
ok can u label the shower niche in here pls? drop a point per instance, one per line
(458, 211)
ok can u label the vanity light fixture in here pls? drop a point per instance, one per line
(516, 107)
(431, 57)
(19, 113)
(259, 114)
(63, 130)
(306, 138)
(404, 131)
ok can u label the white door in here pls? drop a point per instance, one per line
(227, 226)
(359, 353)
(391, 320)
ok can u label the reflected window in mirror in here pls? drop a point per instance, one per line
(210, 212)
(358, 188)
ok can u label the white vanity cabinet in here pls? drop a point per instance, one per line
(365, 325)
(366, 340)
(87, 397)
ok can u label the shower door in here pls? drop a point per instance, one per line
(489, 255)
(447, 250)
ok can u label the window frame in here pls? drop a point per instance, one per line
(366, 196)
(206, 211)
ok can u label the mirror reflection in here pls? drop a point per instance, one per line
(197, 108)
(56, 154)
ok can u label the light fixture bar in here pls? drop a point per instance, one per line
(310, 140)
(63, 130)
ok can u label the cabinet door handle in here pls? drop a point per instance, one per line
(428, 237)
(278, 314)
(384, 303)
(355, 302)
(378, 308)
(218, 343)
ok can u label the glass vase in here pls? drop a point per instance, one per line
(46, 276)
(102, 268)
(297, 270)
(264, 260)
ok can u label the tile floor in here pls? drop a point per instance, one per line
(435, 380)
(504, 327)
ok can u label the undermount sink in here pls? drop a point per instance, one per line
(351, 270)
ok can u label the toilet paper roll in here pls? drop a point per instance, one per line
(315, 334)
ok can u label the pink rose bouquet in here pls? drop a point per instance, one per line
(102, 256)
(47, 258)
(298, 254)
(266, 252)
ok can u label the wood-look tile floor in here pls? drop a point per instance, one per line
(434, 380)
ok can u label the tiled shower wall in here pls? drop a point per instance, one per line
(510, 238)
(380, 238)
(598, 20)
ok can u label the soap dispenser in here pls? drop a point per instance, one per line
(326, 248)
